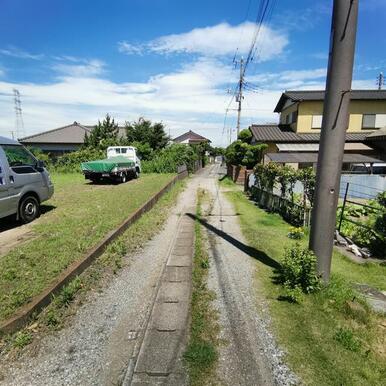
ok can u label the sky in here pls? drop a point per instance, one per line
(168, 60)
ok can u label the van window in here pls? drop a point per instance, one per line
(19, 159)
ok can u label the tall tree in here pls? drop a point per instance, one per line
(104, 134)
(144, 131)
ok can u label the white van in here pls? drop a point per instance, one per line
(366, 168)
(24, 182)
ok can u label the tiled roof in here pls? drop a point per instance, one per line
(313, 158)
(191, 136)
(73, 134)
(318, 95)
(272, 133)
(283, 134)
(378, 134)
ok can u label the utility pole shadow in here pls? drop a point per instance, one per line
(250, 251)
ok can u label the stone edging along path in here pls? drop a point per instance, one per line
(23, 315)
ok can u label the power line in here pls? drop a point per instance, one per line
(265, 11)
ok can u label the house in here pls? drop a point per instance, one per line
(295, 140)
(191, 138)
(61, 140)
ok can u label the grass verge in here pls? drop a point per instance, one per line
(331, 337)
(77, 217)
(65, 304)
(201, 354)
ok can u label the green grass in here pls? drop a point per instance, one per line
(327, 341)
(65, 304)
(201, 354)
(77, 217)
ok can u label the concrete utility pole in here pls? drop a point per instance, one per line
(240, 94)
(333, 132)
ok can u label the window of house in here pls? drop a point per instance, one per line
(368, 121)
(287, 119)
(294, 116)
(316, 122)
(380, 121)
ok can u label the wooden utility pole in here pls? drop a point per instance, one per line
(240, 95)
(333, 132)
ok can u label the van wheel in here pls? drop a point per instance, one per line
(29, 209)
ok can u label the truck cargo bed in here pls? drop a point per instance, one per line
(107, 165)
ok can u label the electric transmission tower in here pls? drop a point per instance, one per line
(380, 81)
(19, 123)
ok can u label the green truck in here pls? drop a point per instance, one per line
(120, 165)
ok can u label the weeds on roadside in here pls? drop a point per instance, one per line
(298, 273)
(347, 339)
(22, 339)
(201, 353)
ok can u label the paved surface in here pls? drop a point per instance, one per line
(251, 356)
(160, 357)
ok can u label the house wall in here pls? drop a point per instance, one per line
(288, 110)
(53, 148)
(307, 109)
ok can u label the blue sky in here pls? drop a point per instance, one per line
(167, 60)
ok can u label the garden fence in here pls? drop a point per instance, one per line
(295, 214)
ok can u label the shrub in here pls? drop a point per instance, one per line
(168, 159)
(298, 271)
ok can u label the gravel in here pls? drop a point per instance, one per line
(250, 355)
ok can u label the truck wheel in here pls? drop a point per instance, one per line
(95, 180)
(123, 178)
(29, 209)
(136, 173)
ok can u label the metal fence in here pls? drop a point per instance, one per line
(347, 214)
(295, 214)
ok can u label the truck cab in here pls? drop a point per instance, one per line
(24, 182)
(128, 152)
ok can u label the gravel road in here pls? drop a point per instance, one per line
(250, 356)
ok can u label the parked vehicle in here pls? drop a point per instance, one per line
(366, 168)
(121, 164)
(24, 182)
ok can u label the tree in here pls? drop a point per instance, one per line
(144, 131)
(245, 136)
(103, 135)
(241, 153)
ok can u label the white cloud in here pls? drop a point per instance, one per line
(218, 40)
(191, 98)
(83, 68)
(19, 53)
(130, 49)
